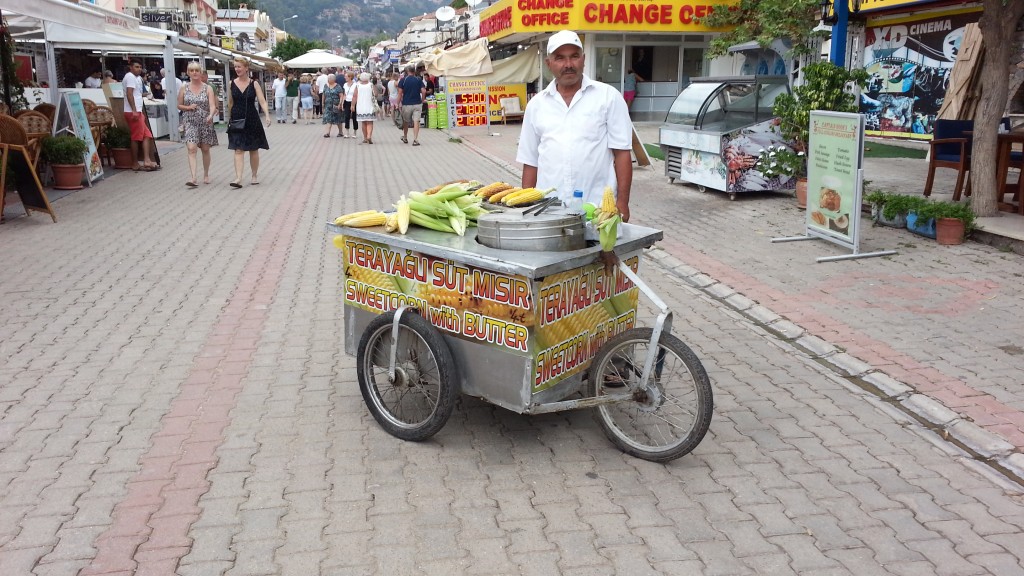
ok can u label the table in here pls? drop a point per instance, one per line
(1003, 150)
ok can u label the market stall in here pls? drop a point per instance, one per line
(521, 312)
(717, 128)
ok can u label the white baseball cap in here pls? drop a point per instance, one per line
(561, 38)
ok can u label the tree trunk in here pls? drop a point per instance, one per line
(998, 25)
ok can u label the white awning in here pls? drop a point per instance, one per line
(64, 36)
(57, 11)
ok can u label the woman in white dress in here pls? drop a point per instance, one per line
(363, 101)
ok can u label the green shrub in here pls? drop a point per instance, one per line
(64, 150)
(941, 209)
(900, 205)
(117, 137)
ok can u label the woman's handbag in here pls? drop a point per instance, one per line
(236, 125)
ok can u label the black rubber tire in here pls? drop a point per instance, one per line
(687, 400)
(420, 401)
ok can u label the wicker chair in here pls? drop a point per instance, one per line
(89, 105)
(100, 119)
(12, 133)
(48, 110)
(37, 126)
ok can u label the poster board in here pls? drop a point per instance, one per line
(14, 160)
(835, 178)
(835, 154)
(71, 119)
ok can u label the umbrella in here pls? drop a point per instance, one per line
(318, 59)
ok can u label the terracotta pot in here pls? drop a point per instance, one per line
(801, 193)
(67, 176)
(122, 158)
(949, 231)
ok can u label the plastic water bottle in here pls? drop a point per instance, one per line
(575, 205)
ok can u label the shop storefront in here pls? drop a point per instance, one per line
(910, 47)
(663, 41)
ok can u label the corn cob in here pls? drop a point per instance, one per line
(494, 199)
(527, 196)
(340, 220)
(608, 220)
(391, 222)
(438, 188)
(374, 219)
(371, 277)
(403, 214)
(492, 188)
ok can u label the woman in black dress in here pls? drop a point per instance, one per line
(245, 94)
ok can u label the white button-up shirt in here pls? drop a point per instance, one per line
(571, 146)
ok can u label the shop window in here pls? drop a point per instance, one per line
(609, 66)
(693, 63)
(641, 61)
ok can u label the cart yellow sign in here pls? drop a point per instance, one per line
(578, 311)
(472, 303)
(559, 323)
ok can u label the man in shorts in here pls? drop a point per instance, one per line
(411, 91)
(133, 115)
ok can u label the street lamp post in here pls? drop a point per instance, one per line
(284, 23)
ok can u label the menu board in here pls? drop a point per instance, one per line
(835, 156)
(71, 118)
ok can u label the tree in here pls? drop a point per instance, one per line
(998, 24)
(293, 47)
(365, 43)
(234, 4)
(457, 4)
(764, 21)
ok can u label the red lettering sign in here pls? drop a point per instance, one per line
(496, 22)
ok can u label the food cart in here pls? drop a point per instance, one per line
(716, 129)
(429, 315)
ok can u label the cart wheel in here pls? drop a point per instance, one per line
(419, 401)
(702, 188)
(661, 424)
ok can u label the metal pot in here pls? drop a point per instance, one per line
(552, 230)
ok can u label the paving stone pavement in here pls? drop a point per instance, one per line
(174, 398)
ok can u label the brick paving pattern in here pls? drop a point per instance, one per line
(174, 398)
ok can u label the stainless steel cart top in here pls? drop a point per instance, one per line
(466, 249)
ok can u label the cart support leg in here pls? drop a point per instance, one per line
(394, 343)
(662, 324)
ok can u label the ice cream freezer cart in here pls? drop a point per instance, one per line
(716, 129)
(429, 315)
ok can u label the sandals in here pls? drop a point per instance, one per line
(404, 139)
(415, 142)
(191, 184)
(327, 135)
(235, 184)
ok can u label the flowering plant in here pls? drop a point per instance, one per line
(780, 161)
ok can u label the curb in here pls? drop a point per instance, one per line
(979, 444)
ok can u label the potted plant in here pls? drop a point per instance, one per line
(892, 209)
(66, 156)
(779, 161)
(824, 88)
(948, 222)
(119, 141)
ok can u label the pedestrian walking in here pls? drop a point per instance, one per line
(306, 98)
(381, 93)
(364, 102)
(291, 97)
(245, 129)
(314, 89)
(392, 108)
(348, 114)
(142, 137)
(331, 98)
(198, 105)
(411, 92)
(280, 87)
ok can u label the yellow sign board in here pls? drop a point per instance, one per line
(537, 16)
(496, 92)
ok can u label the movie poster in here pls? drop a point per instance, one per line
(909, 64)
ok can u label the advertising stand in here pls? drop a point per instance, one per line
(835, 180)
(467, 103)
(71, 119)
